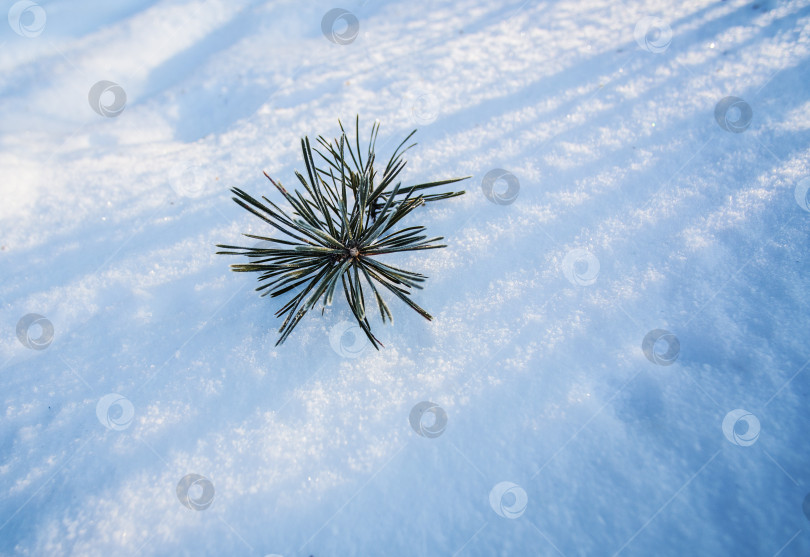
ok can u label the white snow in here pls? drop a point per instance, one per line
(108, 228)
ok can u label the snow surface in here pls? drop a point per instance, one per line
(108, 226)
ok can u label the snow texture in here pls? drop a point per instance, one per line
(139, 376)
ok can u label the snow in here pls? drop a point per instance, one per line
(636, 212)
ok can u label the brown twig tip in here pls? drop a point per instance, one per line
(277, 184)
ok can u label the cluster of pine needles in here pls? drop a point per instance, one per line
(337, 227)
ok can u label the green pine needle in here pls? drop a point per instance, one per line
(339, 224)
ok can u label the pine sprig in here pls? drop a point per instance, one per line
(344, 218)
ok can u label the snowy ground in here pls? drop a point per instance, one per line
(637, 211)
